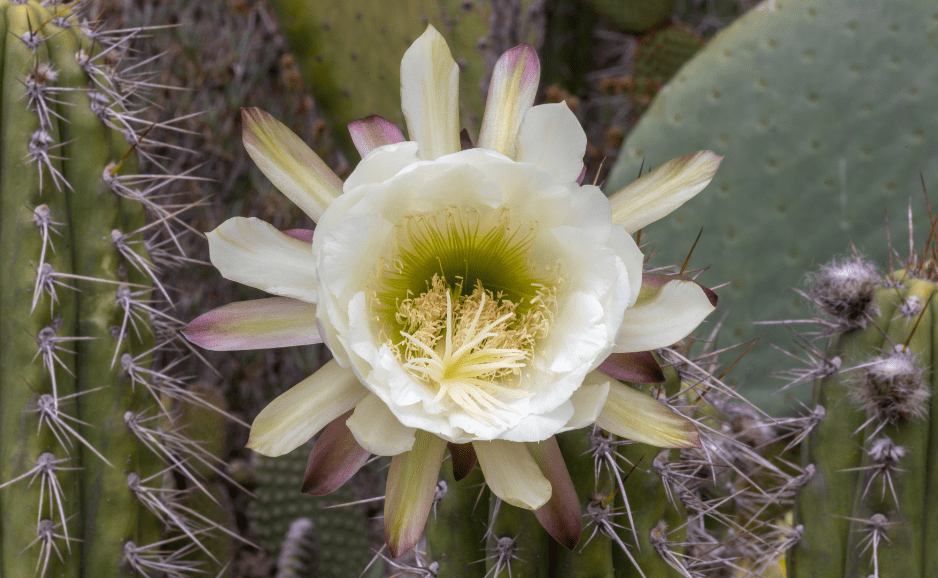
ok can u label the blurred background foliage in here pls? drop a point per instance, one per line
(318, 65)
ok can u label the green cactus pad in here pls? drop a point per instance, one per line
(825, 112)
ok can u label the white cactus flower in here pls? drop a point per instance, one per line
(469, 297)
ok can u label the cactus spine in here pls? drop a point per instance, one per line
(647, 512)
(84, 437)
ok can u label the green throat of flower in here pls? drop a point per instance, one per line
(461, 309)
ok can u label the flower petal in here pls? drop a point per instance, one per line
(551, 137)
(654, 195)
(464, 459)
(377, 429)
(256, 324)
(588, 400)
(305, 235)
(335, 458)
(512, 474)
(511, 94)
(409, 492)
(304, 409)
(254, 253)
(636, 367)
(561, 515)
(372, 132)
(638, 416)
(663, 316)
(656, 281)
(382, 163)
(430, 95)
(289, 163)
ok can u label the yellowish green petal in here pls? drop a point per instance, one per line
(655, 194)
(512, 474)
(289, 163)
(634, 415)
(430, 95)
(409, 493)
(304, 409)
(256, 254)
(377, 429)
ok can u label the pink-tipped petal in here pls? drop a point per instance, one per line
(430, 95)
(335, 458)
(298, 414)
(637, 367)
(464, 459)
(511, 94)
(655, 194)
(561, 515)
(289, 163)
(409, 494)
(579, 179)
(372, 132)
(637, 416)
(305, 235)
(257, 324)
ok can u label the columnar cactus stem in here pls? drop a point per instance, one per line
(74, 306)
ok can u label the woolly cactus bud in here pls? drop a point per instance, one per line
(845, 290)
(892, 388)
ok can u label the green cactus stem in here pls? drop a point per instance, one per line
(80, 489)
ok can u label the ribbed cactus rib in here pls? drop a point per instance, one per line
(868, 510)
(832, 450)
(81, 491)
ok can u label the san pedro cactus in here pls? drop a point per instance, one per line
(85, 417)
(871, 508)
(823, 108)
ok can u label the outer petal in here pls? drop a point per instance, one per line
(290, 165)
(560, 516)
(663, 316)
(430, 95)
(335, 458)
(637, 416)
(256, 324)
(304, 409)
(376, 429)
(511, 94)
(256, 254)
(551, 137)
(410, 489)
(637, 367)
(656, 194)
(372, 132)
(512, 474)
(464, 459)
